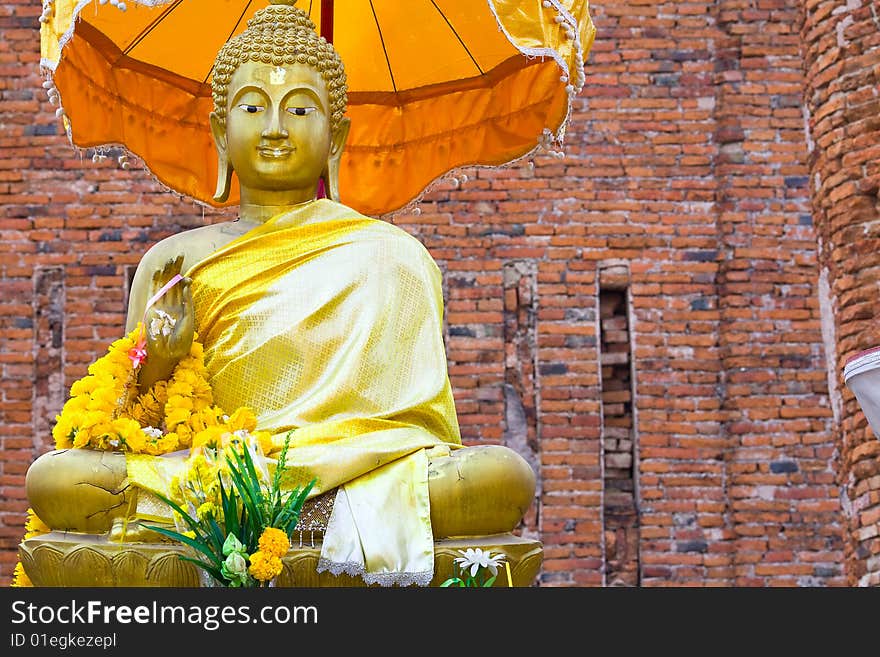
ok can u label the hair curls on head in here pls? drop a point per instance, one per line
(281, 34)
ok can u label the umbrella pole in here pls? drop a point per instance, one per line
(327, 20)
(327, 33)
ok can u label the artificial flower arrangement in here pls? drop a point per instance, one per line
(238, 519)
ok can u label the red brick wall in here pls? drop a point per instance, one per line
(842, 61)
(685, 165)
(686, 160)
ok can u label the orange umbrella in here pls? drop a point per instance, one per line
(433, 84)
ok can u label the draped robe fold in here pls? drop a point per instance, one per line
(328, 323)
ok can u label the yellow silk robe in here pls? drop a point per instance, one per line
(329, 323)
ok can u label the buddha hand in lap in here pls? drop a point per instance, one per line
(323, 321)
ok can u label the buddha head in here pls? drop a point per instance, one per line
(279, 94)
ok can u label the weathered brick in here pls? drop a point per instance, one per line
(687, 166)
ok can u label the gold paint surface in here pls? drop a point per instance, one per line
(63, 559)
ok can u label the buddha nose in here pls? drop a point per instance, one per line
(274, 127)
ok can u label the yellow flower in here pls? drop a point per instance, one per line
(265, 566)
(210, 437)
(180, 388)
(205, 509)
(197, 351)
(176, 416)
(184, 435)
(264, 440)
(118, 370)
(97, 367)
(136, 443)
(199, 421)
(197, 461)
(127, 429)
(201, 473)
(104, 411)
(125, 343)
(185, 377)
(82, 438)
(167, 443)
(160, 391)
(84, 386)
(63, 430)
(20, 578)
(94, 418)
(151, 406)
(33, 526)
(202, 395)
(137, 413)
(242, 418)
(103, 378)
(75, 405)
(274, 542)
(176, 401)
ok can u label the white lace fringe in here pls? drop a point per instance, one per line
(383, 579)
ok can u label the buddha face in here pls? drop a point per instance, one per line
(277, 134)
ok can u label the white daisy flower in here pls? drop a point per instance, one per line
(475, 558)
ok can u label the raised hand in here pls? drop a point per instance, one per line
(169, 324)
(169, 321)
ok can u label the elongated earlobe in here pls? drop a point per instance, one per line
(224, 167)
(330, 174)
(224, 178)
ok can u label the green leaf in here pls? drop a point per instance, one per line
(230, 511)
(196, 545)
(450, 582)
(219, 538)
(490, 581)
(256, 487)
(282, 463)
(192, 522)
(248, 489)
(246, 499)
(288, 516)
(214, 572)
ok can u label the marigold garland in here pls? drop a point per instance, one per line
(33, 526)
(106, 412)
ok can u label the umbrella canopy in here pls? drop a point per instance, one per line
(432, 84)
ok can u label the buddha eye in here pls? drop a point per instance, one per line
(301, 111)
(250, 109)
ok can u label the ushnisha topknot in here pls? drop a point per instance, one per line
(281, 34)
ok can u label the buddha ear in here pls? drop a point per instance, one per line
(224, 168)
(331, 171)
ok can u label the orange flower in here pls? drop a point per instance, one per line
(273, 541)
(265, 566)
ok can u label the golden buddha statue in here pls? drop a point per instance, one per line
(325, 322)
